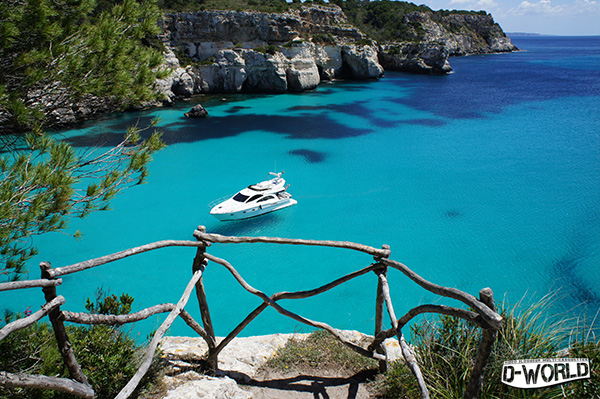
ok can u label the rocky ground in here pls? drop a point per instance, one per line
(242, 373)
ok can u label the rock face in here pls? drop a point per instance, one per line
(434, 39)
(246, 51)
(198, 111)
(242, 358)
(216, 51)
(423, 58)
(243, 51)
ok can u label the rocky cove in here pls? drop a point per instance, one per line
(221, 51)
(228, 51)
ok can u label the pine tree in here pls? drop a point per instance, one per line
(51, 52)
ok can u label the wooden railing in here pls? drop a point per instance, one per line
(483, 313)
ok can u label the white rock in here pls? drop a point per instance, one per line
(362, 61)
(244, 355)
(194, 386)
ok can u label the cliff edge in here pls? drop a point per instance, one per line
(226, 51)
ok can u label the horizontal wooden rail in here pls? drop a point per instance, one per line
(217, 238)
(17, 285)
(18, 380)
(491, 317)
(29, 320)
(88, 264)
(86, 318)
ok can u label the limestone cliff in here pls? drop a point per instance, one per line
(247, 51)
(219, 51)
(431, 37)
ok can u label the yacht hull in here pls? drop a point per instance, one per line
(254, 211)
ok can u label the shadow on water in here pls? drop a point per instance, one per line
(187, 130)
(578, 289)
(247, 226)
(474, 89)
(453, 213)
(570, 268)
(310, 156)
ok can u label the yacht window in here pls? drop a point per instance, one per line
(239, 197)
(254, 197)
(268, 197)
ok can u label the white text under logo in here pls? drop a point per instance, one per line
(537, 373)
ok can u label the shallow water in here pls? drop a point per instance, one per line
(487, 177)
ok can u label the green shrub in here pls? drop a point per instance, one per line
(319, 350)
(108, 356)
(323, 38)
(270, 49)
(447, 348)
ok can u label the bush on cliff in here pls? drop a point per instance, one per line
(107, 355)
(52, 55)
(447, 348)
(384, 20)
(381, 20)
(53, 52)
(238, 5)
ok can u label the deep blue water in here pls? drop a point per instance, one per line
(489, 176)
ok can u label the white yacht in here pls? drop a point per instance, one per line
(255, 200)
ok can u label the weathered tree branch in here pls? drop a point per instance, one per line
(66, 385)
(116, 320)
(442, 309)
(287, 313)
(491, 317)
(485, 349)
(29, 320)
(379, 304)
(428, 308)
(77, 267)
(17, 285)
(86, 318)
(199, 263)
(62, 339)
(217, 238)
(406, 350)
(134, 382)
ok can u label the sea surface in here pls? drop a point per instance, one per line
(487, 177)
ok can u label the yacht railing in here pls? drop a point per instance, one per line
(482, 312)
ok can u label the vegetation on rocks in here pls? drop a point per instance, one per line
(237, 5)
(320, 350)
(53, 53)
(108, 356)
(55, 57)
(389, 21)
(446, 349)
(381, 20)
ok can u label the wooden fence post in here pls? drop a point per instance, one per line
(62, 339)
(200, 263)
(485, 348)
(379, 308)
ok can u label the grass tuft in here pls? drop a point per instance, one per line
(319, 351)
(446, 349)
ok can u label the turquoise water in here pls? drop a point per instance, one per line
(487, 177)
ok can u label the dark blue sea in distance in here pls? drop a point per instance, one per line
(488, 177)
